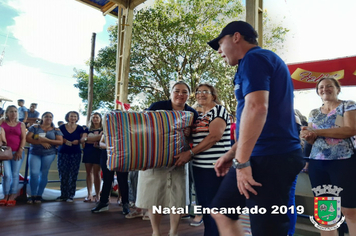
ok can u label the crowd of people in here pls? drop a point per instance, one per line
(256, 164)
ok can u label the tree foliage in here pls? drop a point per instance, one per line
(169, 44)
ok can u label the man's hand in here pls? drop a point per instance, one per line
(245, 181)
(223, 165)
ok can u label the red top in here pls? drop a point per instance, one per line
(13, 135)
(232, 131)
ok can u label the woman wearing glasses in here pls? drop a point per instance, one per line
(43, 139)
(165, 187)
(211, 139)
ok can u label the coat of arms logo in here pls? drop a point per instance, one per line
(327, 210)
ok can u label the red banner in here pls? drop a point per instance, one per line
(305, 75)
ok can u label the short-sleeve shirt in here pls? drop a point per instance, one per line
(325, 148)
(92, 132)
(76, 135)
(263, 70)
(21, 112)
(38, 149)
(34, 114)
(207, 158)
(167, 105)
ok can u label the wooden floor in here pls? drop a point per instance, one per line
(62, 218)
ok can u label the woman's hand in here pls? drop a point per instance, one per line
(46, 145)
(186, 131)
(18, 154)
(305, 169)
(308, 134)
(42, 139)
(223, 164)
(75, 142)
(182, 158)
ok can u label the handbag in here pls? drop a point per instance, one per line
(5, 153)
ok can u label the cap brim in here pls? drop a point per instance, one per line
(214, 44)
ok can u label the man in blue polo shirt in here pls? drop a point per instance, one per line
(267, 155)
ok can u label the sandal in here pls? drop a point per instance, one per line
(3, 202)
(134, 214)
(87, 199)
(30, 200)
(196, 223)
(146, 217)
(38, 200)
(11, 203)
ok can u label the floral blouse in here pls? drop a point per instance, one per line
(331, 148)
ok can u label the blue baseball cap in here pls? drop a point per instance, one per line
(242, 27)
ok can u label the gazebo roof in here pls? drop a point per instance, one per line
(2, 98)
(111, 7)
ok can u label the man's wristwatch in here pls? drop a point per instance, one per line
(238, 165)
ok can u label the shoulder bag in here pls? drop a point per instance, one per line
(5, 153)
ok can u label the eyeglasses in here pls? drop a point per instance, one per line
(203, 92)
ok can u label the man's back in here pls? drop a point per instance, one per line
(262, 69)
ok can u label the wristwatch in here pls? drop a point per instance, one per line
(238, 165)
(85, 139)
(191, 153)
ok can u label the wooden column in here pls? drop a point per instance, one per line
(124, 35)
(254, 16)
(91, 79)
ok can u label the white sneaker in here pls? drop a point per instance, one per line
(69, 200)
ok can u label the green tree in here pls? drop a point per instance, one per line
(169, 44)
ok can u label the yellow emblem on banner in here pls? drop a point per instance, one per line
(307, 76)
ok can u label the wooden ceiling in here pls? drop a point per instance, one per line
(111, 6)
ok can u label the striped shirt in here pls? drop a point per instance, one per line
(207, 158)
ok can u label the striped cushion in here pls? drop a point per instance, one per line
(144, 140)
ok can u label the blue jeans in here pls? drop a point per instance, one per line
(10, 181)
(39, 168)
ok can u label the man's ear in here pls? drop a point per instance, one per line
(236, 37)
